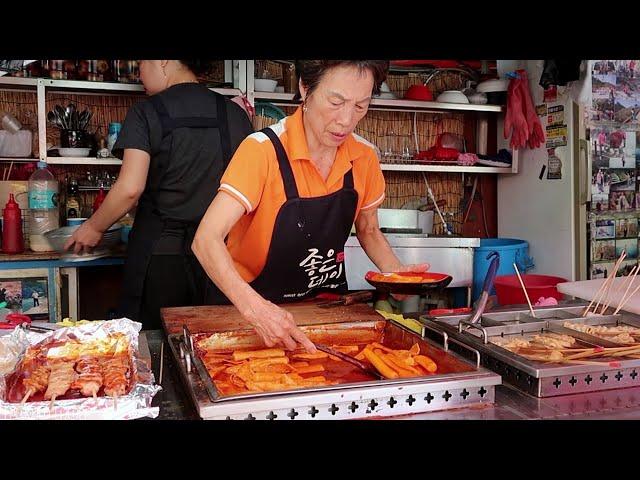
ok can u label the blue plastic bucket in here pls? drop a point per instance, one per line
(511, 251)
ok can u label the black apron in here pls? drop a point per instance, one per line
(150, 223)
(307, 245)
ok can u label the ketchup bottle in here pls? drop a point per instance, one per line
(98, 201)
(12, 240)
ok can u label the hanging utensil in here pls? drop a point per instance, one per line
(61, 116)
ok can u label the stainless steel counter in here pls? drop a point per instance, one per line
(510, 404)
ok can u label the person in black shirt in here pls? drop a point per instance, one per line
(175, 145)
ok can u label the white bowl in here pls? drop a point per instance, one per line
(495, 85)
(74, 152)
(477, 98)
(265, 85)
(452, 96)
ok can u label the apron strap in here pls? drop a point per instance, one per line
(347, 183)
(168, 124)
(290, 187)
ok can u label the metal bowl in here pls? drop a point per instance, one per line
(58, 237)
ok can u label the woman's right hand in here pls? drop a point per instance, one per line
(275, 326)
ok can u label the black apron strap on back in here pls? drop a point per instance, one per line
(290, 187)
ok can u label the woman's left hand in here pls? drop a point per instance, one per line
(414, 267)
(84, 238)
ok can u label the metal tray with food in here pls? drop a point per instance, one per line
(553, 354)
(230, 374)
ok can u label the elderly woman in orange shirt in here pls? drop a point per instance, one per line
(288, 201)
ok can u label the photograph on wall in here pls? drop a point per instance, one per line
(627, 227)
(35, 297)
(601, 182)
(622, 180)
(601, 270)
(625, 268)
(11, 293)
(630, 245)
(605, 229)
(603, 94)
(599, 202)
(627, 101)
(613, 147)
(603, 250)
(621, 201)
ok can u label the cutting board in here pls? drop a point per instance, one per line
(226, 317)
(587, 289)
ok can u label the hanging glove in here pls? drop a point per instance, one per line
(515, 122)
(534, 127)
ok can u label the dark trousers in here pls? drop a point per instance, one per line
(167, 284)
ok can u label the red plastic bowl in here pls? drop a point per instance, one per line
(510, 292)
(419, 92)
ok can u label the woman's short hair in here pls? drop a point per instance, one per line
(198, 67)
(312, 71)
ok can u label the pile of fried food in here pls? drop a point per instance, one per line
(271, 369)
(545, 346)
(624, 334)
(394, 277)
(74, 369)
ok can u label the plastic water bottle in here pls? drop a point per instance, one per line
(43, 204)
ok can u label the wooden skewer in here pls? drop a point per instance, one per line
(581, 362)
(584, 314)
(53, 399)
(631, 278)
(26, 396)
(628, 280)
(533, 314)
(626, 299)
(115, 401)
(610, 280)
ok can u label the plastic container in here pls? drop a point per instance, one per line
(43, 204)
(17, 144)
(12, 239)
(510, 292)
(511, 250)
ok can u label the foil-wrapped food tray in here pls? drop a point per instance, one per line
(92, 371)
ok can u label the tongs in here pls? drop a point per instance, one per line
(349, 359)
(486, 287)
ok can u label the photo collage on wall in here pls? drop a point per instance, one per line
(28, 296)
(614, 135)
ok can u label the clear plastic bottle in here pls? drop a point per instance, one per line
(43, 204)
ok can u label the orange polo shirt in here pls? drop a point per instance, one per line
(253, 179)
